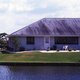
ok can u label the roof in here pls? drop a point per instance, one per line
(51, 26)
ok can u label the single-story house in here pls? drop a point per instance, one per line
(48, 33)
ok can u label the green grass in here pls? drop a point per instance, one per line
(41, 57)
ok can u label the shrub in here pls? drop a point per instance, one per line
(22, 49)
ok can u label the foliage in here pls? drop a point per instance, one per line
(3, 39)
(15, 42)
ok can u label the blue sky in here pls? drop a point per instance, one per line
(16, 14)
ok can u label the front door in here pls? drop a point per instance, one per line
(47, 43)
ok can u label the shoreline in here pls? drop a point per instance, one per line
(38, 64)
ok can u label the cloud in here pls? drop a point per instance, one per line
(15, 6)
(3, 7)
(20, 6)
(15, 14)
(41, 6)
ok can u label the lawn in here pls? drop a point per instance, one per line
(66, 57)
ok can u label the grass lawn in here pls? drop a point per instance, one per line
(66, 57)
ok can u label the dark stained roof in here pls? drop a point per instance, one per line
(52, 26)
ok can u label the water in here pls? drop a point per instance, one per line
(39, 73)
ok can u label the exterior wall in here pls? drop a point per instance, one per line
(39, 44)
(52, 43)
(25, 45)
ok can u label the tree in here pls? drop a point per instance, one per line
(3, 40)
(15, 42)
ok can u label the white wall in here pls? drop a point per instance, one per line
(52, 42)
(39, 43)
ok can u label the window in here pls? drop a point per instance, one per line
(66, 40)
(30, 40)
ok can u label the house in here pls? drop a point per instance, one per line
(48, 33)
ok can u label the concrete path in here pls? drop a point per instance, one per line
(44, 51)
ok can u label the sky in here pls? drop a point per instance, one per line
(16, 14)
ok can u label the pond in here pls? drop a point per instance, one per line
(39, 73)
